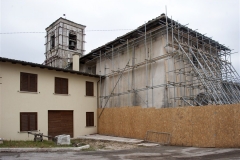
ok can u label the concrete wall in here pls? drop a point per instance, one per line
(208, 126)
(12, 101)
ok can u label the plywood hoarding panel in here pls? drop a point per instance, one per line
(224, 123)
(182, 127)
(203, 121)
(204, 126)
(236, 110)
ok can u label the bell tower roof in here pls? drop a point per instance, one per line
(63, 20)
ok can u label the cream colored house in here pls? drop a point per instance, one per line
(46, 99)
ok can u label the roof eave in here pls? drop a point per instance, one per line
(2, 59)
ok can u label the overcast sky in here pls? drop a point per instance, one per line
(218, 18)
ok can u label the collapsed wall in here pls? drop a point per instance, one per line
(205, 126)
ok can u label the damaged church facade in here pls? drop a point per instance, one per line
(163, 64)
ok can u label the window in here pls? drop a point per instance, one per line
(28, 82)
(89, 88)
(52, 41)
(89, 119)
(72, 40)
(28, 121)
(61, 85)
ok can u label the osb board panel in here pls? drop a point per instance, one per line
(138, 118)
(163, 120)
(224, 123)
(181, 126)
(102, 124)
(203, 121)
(124, 125)
(148, 123)
(208, 126)
(113, 124)
(236, 111)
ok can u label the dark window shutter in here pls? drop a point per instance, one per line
(89, 88)
(57, 85)
(87, 91)
(28, 82)
(32, 121)
(23, 122)
(89, 118)
(23, 82)
(64, 86)
(87, 123)
(33, 82)
(28, 121)
(61, 85)
(92, 119)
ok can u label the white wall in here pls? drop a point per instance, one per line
(13, 102)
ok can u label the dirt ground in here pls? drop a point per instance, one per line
(99, 145)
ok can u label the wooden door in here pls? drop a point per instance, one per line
(60, 122)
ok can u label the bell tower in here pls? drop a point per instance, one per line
(64, 38)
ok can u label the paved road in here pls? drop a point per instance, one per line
(143, 153)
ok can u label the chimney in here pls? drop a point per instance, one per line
(76, 62)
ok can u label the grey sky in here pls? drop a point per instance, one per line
(218, 18)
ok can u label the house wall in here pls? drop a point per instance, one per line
(12, 101)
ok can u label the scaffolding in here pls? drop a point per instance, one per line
(198, 70)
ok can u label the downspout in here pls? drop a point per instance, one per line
(97, 93)
(97, 106)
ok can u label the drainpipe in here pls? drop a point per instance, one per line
(97, 106)
(97, 94)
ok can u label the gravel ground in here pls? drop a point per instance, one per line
(106, 145)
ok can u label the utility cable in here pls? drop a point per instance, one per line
(96, 30)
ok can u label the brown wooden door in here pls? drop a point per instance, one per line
(60, 122)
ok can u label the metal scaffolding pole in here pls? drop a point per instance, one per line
(100, 73)
(146, 60)
(128, 102)
(112, 75)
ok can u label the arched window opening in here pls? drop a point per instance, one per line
(52, 41)
(72, 41)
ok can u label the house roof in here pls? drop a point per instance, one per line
(151, 24)
(24, 63)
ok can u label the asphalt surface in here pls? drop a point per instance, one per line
(142, 153)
